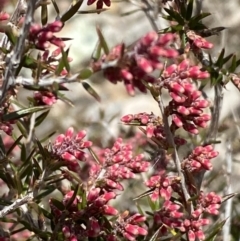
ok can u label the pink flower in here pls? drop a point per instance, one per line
(137, 64)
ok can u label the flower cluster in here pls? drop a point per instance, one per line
(52, 59)
(198, 41)
(79, 220)
(104, 176)
(154, 127)
(128, 226)
(133, 66)
(193, 228)
(44, 98)
(161, 186)
(43, 36)
(99, 3)
(187, 104)
(199, 159)
(70, 148)
(171, 215)
(117, 164)
(209, 203)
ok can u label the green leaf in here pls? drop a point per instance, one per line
(83, 196)
(63, 62)
(73, 175)
(2, 147)
(102, 41)
(29, 62)
(226, 59)
(50, 189)
(71, 11)
(199, 17)
(94, 155)
(14, 144)
(219, 62)
(11, 36)
(189, 10)
(22, 129)
(91, 91)
(37, 167)
(44, 14)
(233, 66)
(175, 16)
(183, 8)
(96, 52)
(92, 11)
(23, 112)
(57, 204)
(26, 170)
(85, 73)
(41, 118)
(172, 29)
(215, 230)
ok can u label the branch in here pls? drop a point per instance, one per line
(228, 207)
(14, 58)
(15, 205)
(176, 157)
(47, 80)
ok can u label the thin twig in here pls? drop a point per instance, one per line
(176, 157)
(15, 205)
(216, 110)
(148, 10)
(228, 207)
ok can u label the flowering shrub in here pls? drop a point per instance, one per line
(69, 187)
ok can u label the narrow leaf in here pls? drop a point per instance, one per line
(44, 14)
(21, 113)
(85, 74)
(91, 91)
(71, 11)
(215, 230)
(41, 118)
(219, 62)
(189, 10)
(92, 11)
(199, 17)
(102, 41)
(14, 144)
(176, 16)
(63, 62)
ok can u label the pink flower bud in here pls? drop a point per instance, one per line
(183, 65)
(164, 39)
(183, 110)
(149, 38)
(177, 120)
(108, 210)
(126, 74)
(169, 70)
(127, 118)
(144, 64)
